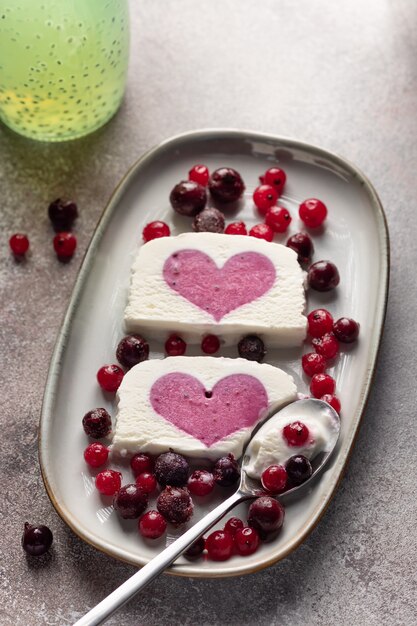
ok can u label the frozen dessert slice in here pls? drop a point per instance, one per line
(230, 286)
(198, 406)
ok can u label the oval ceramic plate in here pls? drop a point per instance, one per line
(355, 238)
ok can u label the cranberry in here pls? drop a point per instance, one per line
(298, 469)
(226, 471)
(175, 504)
(96, 454)
(275, 177)
(109, 377)
(108, 482)
(62, 214)
(219, 545)
(19, 244)
(313, 212)
(274, 478)
(210, 344)
(346, 330)
(196, 549)
(333, 401)
(211, 220)
(188, 198)
(226, 185)
(233, 525)
(175, 346)
(201, 483)
(64, 246)
(313, 363)
(264, 197)
(266, 514)
(321, 384)
(296, 434)
(130, 501)
(251, 348)
(319, 322)
(236, 228)
(141, 463)
(132, 349)
(323, 276)
(36, 540)
(154, 230)
(171, 469)
(152, 525)
(199, 174)
(278, 219)
(303, 246)
(97, 423)
(262, 231)
(147, 482)
(246, 541)
(327, 346)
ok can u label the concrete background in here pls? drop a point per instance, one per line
(340, 74)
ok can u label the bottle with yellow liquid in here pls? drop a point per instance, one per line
(63, 65)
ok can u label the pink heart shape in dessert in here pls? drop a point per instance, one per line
(235, 402)
(195, 276)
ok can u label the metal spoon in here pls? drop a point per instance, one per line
(248, 489)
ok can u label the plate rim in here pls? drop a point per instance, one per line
(63, 333)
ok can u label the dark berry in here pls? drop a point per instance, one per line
(64, 245)
(152, 525)
(274, 478)
(96, 454)
(323, 276)
(130, 501)
(19, 244)
(313, 363)
(313, 212)
(97, 423)
(132, 349)
(252, 348)
(275, 177)
(62, 214)
(266, 514)
(298, 469)
(155, 230)
(199, 174)
(210, 344)
(171, 469)
(188, 198)
(201, 483)
(196, 549)
(303, 246)
(219, 545)
(108, 482)
(327, 346)
(175, 346)
(246, 541)
(264, 197)
(319, 322)
(333, 401)
(210, 220)
(175, 504)
(141, 463)
(346, 330)
(226, 471)
(233, 524)
(262, 231)
(109, 377)
(147, 482)
(226, 185)
(321, 384)
(296, 434)
(278, 218)
(36, 540)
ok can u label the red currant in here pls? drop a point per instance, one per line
(233, 525)
(246, 541)
(152, 525)
(236, 228)
(96, 454)
(313, 363)
(200, 483)
(141, 463)
(210, 344)
(220, 545)
(322, 384)
(199, 174)
(327, 346)
(346, 330)
(175, 346)
(278, 219)
(19, 244)
(154, 230)
(64, 245)
(109, 377)
(313, 212)
(147, 482)
(274, 478)
(262, 231)
(108, 482)
(319, 322)
(332, 400)
(276, 178)
(264, 197)
(296, 434)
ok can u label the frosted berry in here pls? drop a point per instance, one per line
(147, 482)
(154, 230)
(321, 384)
(233, 524)
(64, 246)
(346, 330)
(296, 434)
(109, 377)
(333, 401)
(262, 231)
(175, 346)
(278, 218)
(36, 540)
(199, 174)
(130, 501)
(301, 244)
(226, 471)
(266, 514)
(210, 344)
(236, 228)
(275, 177)
(196, 549)
(226, 185)
(323, 276)
(62, 214)
(327, 346)
(141, 463)
(219, 545)
(201, 483)
(175, 504)
(246, 541)
(188, 198)
(171, 469)
(274, 478)
(313, 212)
(210, 220)
(264, 197)
(96, 454)
(319, 322)
(19, 244)
(298, 469)
(152, 525)
(97, 423)
(251, 348)
(313, 363)
(108, 482)
(131, 350)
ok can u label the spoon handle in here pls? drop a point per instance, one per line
(158, 564)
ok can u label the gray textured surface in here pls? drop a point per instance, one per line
(340, 74)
